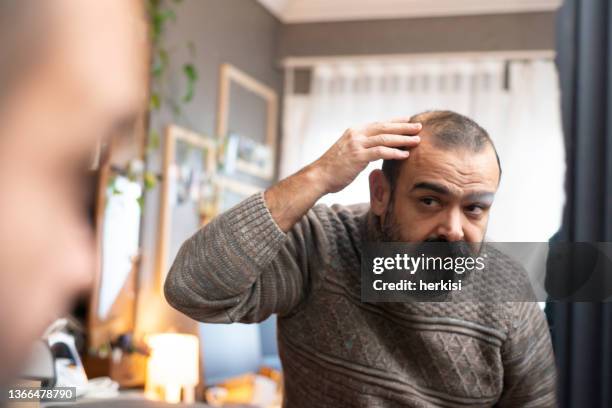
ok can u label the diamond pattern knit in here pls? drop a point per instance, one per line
(339, 352)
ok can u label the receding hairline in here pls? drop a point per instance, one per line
(449, 131)
(443, 126)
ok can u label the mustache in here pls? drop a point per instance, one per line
(390, 232)
(455, 249)
(436, 239)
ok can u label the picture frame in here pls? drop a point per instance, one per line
(179, 180)
(263, 166)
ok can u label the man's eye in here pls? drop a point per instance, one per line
(475, 209)
(429, 201)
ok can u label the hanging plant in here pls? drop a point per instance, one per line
(161, 12)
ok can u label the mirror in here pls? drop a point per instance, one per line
(117, 219)
(120, 239)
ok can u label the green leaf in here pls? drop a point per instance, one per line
(153, 8)
(188, 93)
(160, 63)
(176, 108)
(154, 140)
(150, 180)
(154, 4)
(159, 18)
(163, 56)
(165, 15)
(192, 76)
(157, 69)
(190, 71)
(157, 27)
(155, 102)
(141, 202)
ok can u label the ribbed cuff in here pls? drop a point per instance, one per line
(254, 231)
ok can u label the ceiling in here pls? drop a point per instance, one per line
(302, 11)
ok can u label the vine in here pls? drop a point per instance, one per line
(161, 12)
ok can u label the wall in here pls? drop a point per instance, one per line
(522, 31)
(242, 33)
(239, 32)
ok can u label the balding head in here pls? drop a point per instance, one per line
(444, 189)
(447, 130)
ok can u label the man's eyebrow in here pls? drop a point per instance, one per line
(426, 185)
(486, 196)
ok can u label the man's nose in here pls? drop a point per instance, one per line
(451, 227)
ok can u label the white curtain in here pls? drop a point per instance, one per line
(517, 102)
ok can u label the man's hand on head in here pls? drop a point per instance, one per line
(292, 197)
(357, 147)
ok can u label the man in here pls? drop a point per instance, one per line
(71, 74)
(274, 253)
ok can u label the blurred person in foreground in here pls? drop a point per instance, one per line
(72, 73)
(276, 253)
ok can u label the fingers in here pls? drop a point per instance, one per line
(386, 153)
(391, 140)
(393, 128)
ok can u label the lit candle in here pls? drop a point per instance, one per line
(172, 367)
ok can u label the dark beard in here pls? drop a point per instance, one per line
(433, 246)
(444, 248)
(389, 229)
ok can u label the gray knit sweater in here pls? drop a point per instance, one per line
(339, 352)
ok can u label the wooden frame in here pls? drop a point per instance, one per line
(173, 134)
(122, 315)
(231, 74)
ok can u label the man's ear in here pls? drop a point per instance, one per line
(380, 192)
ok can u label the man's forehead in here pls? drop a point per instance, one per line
(458, 168)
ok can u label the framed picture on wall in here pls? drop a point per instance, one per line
(247, 121)
(188, 196)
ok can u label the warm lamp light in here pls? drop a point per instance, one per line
(173, 365)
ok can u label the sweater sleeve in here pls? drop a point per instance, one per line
(529, 364)
(242, 267)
